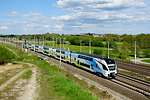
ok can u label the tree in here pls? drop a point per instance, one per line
(115, 49)
(49, 38)
(138, 49)
(125, 48)
(111, 44)
(96, 42)
(146, 53)
(85, 41)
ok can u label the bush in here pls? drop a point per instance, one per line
(146, 53)
(121, 56)
(6, 55)
(98, 51)
(49, 38)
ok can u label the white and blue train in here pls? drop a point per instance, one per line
(97, 64)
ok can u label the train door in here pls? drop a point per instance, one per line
(92, 67)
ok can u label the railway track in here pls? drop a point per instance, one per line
(133, 64)
(137, 85)
(138, 68)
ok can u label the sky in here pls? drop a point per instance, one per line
(74, 16)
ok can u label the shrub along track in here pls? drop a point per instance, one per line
(130, 93)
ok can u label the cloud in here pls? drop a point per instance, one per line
(97, 5)
(13, 14)
(140, 4)
(38, 22)
(84, 20)
(35, 18)
(91, 17)
(4, 27)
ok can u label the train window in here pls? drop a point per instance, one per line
(104, 67)
(79, 56)
(82, 57)
(62, 52)
(96, 65)
(111, 67)
(88, 66)
(91, 59)
(92, 66)
(86, 58)
(58, 51)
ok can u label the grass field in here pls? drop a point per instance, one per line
(146, 60)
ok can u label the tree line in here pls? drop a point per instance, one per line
(142, 41)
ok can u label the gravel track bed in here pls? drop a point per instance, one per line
(134, 84)
(141, 81)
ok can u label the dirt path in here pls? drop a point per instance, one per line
(139, 60)
(9, 66)
(28, 91)
(21, 89)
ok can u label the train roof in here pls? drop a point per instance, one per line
(108, 60)
(95, 56)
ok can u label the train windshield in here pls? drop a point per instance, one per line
(111, 64)
(109, 61)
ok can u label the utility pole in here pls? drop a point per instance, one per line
(53, 41)
(15, 42)
(43, 40)
(63, 43)
(35, 39)
(135, 52)
(30, 40)
(22, 43)
(108, 49)
(80, 45)
(90, 46)
(34, 44)
(56, 42)
(60, 51)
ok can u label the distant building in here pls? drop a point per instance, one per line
(85, 34)
(97, 35)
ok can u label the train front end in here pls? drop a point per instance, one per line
(112, 68)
